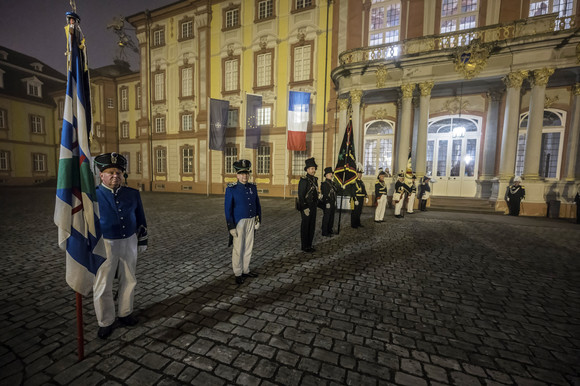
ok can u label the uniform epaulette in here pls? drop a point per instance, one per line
(303, 177)
(232, 184)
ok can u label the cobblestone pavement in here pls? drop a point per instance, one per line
(434, 298)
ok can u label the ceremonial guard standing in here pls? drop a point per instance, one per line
(380, 197)
(424, 192)
(577, 202)
(514, 194)
(243, 217)
(401, 192)
(412, 195)
(124, 230)
(328, 190)
(359, 198)
(307, 204)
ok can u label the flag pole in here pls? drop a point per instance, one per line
(208, 153)
(80, 327)
(286, 161)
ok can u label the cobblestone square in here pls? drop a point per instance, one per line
(432, 299)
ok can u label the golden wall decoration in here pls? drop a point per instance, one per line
(471, 60)
(381, 76)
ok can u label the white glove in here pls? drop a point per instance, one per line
(307, 212)
(328, 206)
(234, 232)
(141, 248)
(257, 226)
(320, 196)
(508, 199)
(366, 200)
(356, 202)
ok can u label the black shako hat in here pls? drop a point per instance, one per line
(381, 173)
(328, 170)
(243, 166)
(309, 163)
(110, 160)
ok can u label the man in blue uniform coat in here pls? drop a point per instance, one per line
(243, 216)
(124, 229)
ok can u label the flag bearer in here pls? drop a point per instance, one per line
(359, 198)
(380, 197)
(307, 204)
(124, 231)
(243, 216)
(328, 190)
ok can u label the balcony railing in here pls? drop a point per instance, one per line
(527, 27)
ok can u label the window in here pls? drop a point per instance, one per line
(3, 119)
(128, 158)
(187, 82)
(385, 24)
(159, 37)
(231, 17)
(160, 124)
(33, 87)
(231, 75)
(265, 9)
(187, 160)
(160, 160)
(302, 63)
(2, 72)
(37, 124)
(186, 122)
(564, 8)
(233, 116)
(263, 164)
(299, 159)
(138, 97)
(139, 163)
(552, 144)
(457, 15)
(159, 86)
(378, 150)
(264, 69)
(186, 29)
(4, 161)
(302, 4)
(110, 103)
(125, 130)
(231, 156)
(265, 116)
(124, 98)
(39, 162)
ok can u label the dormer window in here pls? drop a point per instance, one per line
(33, 86)
(3, 55)
(2, 72)
(37, 66)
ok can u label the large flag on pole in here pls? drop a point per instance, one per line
(298, 108)
(76, 211)
(253, 130)
(345, 171)
(218, 120)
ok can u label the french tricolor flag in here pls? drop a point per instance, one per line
(298, 114)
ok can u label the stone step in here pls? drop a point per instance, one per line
(462, 204)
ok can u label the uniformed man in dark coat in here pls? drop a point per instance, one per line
(328, 190)
(243, 217)
(124, 230)
(308, 202)
(423, 193)
(358, 199)
(402, 191)
(514, 194)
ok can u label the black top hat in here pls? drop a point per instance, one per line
(243, 166)
(73, 16)
(381, 173)
(310, 163)
(426, 178)
(110, 160)
(327, 170)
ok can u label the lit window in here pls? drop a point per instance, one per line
(187, 160)
(263, 159)
(232, 18)
(298, 160)
(264, 116)
(125, 130)
(232, 118)
(231, 156)
(160, 160)
(159, 37)
(39, 162)
(564, 8)
(265, 9)
(378, 150)
(264, 70)
(110, 103)
(186, 122)
(36, 124)
(187, 29)
(302, 63)
(124, 98)
(187, 82)
(231, 75)
(138, 97)
(303, 4)
(160, 86)
(458, 15)
(385, 24)
(160, 124)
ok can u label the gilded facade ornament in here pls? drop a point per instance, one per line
(515, 79)
(426, 88)
(356, 96)
(342, 104)
(381, 76)
(549, 102)
(455, 105)
(407, 90)
(576, 89)
(542, 76)
(493, 96)
(380, 113)
(471, 60)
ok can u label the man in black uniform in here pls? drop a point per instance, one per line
(514, 195)
(359, 197)
(423, 193)
(328, 190)
(308, 202)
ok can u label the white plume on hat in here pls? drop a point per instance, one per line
(517, 179)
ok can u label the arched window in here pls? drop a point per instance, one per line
(552, 143)
(378, 150)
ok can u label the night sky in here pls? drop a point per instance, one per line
(36, 28)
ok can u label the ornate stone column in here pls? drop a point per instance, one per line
(405, 127)
(355, 98)
(421, 155)
(573, 136)
(535, 124)
(509, 140)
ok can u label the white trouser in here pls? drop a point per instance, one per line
(381, 206)
(411, 203)
(243, 245)
(399, 204)
(121, 256)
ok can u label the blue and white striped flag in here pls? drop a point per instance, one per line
(76, 211)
